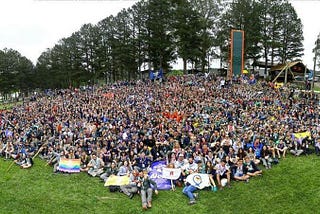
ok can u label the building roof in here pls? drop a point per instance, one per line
(296, 66)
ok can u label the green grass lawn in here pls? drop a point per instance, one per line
(290, 187)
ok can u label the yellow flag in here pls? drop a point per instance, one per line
(302, 135)
(114, 180)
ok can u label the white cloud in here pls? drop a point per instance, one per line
(308, 12)
(32, 26)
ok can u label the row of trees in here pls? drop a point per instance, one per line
(316, 52)
(16, 72)
(155, 33)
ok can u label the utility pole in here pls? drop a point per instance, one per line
(315, 60)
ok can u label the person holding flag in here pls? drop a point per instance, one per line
(132, 187)
(195, 181)
(190, 187)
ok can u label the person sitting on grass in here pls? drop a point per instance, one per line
(55, 159)
(146, 189)
(24, 161)
(84, 161)
(142, 162)
(251, 154)
(125, 169)
(296, 149)
(95, 166)
(180, 163)
(317, 146)
(132, 187)
(112, 170)
(222, 171)
(8, 150)
(266, 157)
(305, 143)
(189, 190)
(27, 162)
(241, 154)
(211, 172)
(251, 167)
(281, 149)
(189, 168)
(239, 172)
(2, 148)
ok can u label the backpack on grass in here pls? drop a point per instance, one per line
(114, 188)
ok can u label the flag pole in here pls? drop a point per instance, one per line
(10, 166)
(39, 150)
(172, 186)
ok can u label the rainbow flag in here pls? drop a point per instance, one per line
(69, 165)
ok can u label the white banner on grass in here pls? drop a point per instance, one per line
(171, 173)
(198, 180)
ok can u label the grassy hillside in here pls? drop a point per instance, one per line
(290, 187)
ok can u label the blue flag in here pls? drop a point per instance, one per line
(151, 75)
(156, 74)
(310, 75)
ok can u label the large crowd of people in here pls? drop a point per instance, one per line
(227, 129)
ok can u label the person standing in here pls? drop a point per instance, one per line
(146, 189)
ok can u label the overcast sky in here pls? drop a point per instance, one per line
(32, 26)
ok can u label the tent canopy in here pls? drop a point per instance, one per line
(287, 72)
(296, 67)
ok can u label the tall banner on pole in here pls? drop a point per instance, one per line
(237, 53)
